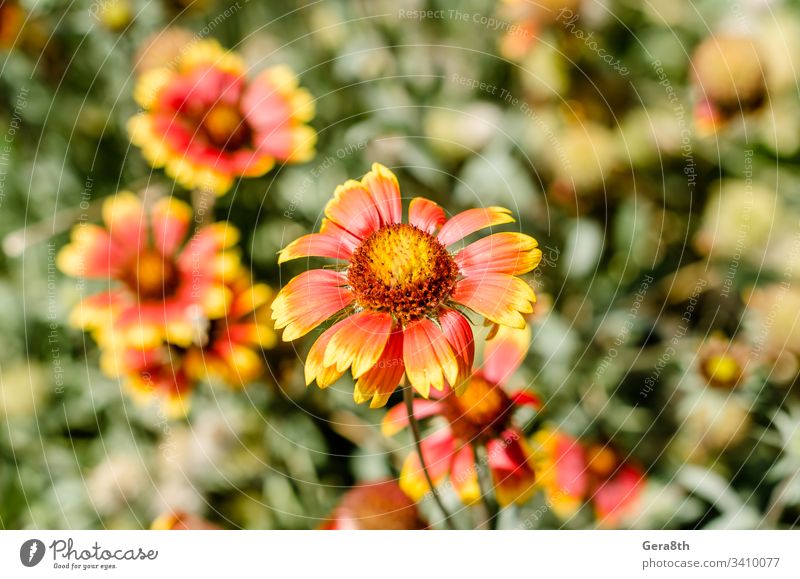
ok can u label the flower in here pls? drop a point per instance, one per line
(158, 288)
(375, 506)
(481, 414)
(398, 299)
(229, 350)
(729, 79)
(571, 473)
(207, 124)
(723, 364)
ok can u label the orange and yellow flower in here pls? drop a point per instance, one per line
(159, 285)
(208, 125)
(377, 505)
(482, 414)
(398, 300)
(229, 349)
(571, 473)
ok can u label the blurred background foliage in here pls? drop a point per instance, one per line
(662, 240)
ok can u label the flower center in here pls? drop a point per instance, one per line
(601, 460)
(225, 127)
(402, 270)
(481, 411)
(151, 276)
(722, 370)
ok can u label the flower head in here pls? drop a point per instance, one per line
(230, 350)
(374, 506)
(481, 414)
(572, 473)
(207, 124)
(399, 297)
(723, 364)
(160, 286)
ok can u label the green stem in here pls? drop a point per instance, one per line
(485, 485)
(408, 398)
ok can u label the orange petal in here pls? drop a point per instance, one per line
(426, 215)
(353, 208)
(498, 297)
(308, 300)
(314, 368)
(385, 190)
(472, 220)
(384, 377)
(359, 342)
(428, 357)
(508, 252)
(317, 245)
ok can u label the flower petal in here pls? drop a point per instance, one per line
(426, 215)
(359, 342)
(353, 209)
(308, 300)
(508, 252)
(437, 450)
(464, 475)
(170, 220)
(314, 368)
(524, 398)
(385, 190)
(397, 418)
(563, 471)
(91, 253)
(428, 357)
(125, 219)
(384, 377)
(617, 496)
(317, 245)
(498, 297)
(472, 220)
(510, 462)
(505, 352)
(459, 334)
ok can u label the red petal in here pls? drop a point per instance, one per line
(459, 333)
